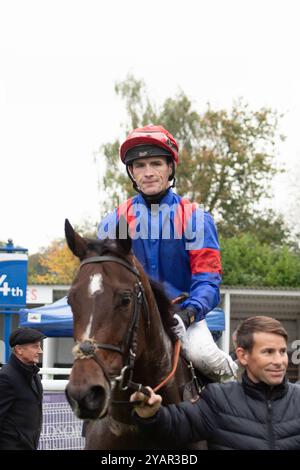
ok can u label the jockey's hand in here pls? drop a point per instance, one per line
(149, 406)
(188, 316)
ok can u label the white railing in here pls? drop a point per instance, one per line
(51, 384)
(54, 385)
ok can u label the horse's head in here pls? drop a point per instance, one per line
(108, 303)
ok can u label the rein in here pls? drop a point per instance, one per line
(88, 348)
(175, 364)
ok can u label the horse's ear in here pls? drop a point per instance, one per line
(123, 237)
(76, 243)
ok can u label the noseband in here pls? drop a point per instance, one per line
(88, 348)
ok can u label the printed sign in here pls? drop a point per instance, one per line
(13, 279)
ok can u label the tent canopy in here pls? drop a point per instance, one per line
(56, 320)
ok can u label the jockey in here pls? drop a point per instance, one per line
(175, 241)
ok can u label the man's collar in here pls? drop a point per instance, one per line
(29, 369)
(263, 391)
(165, 198)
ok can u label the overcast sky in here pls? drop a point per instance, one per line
(60, 59)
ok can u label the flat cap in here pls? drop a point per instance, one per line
(25, 336)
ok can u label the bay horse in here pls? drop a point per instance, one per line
(123, 342)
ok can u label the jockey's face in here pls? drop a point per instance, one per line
(151, 174)
(267, 361)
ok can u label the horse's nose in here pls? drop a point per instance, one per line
(95, 398)
(90, 404)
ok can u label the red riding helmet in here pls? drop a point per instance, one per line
(149, 135)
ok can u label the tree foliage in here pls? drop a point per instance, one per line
(248, 262)
(227, 161)
(56, 264)
(226, 157)
(35, 267)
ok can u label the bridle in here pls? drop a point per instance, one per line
(87, 349)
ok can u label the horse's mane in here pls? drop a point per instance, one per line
(165, 307)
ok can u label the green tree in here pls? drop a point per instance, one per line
(226, 157)
(35, 268)
(246, 261)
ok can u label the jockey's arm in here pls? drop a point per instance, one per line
(204, 259)
(205, 263)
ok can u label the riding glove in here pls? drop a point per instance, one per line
(188, 316)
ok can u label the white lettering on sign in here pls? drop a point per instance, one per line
(5, 289)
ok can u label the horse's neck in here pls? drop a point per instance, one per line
(155, 361)
(150, 369)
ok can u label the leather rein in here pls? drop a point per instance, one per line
(87, 349)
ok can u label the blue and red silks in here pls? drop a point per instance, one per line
(177, 244)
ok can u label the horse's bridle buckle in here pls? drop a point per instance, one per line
(125, 377)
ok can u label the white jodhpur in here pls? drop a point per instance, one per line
(199, 347)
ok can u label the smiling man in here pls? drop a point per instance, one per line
(263, 354)
(21, 392)
(260, 413)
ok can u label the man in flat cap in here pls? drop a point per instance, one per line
(21, 392)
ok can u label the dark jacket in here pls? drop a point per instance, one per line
(21, 396)
(234, 415)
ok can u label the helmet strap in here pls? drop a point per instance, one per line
(172, 175)
(135, 187)
(174, 182)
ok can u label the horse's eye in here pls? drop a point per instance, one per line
(126, 299)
